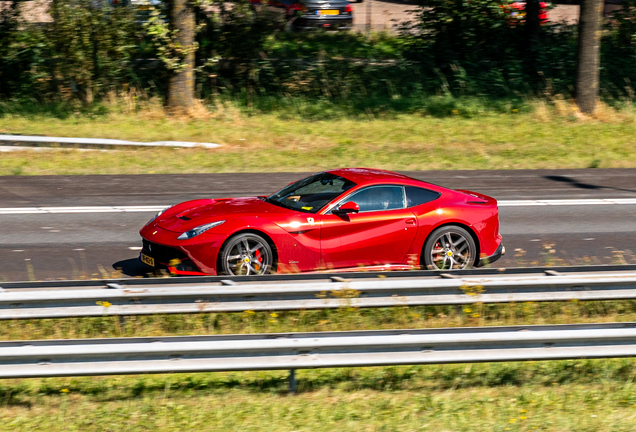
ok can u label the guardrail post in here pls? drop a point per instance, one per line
(293, 384)
(122, 318)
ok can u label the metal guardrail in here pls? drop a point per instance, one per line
(56, 358)
(198, 298)
(301, 277)
(100, 142)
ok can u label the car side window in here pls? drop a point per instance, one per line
(416, 196)
(312, 193)
(378, 198)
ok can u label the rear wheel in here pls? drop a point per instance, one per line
(246, 254)
(449, 248)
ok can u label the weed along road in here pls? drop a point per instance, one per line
(84, 226)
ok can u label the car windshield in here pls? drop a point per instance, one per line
(311, 194)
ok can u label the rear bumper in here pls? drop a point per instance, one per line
(330, 23)
(501, 250)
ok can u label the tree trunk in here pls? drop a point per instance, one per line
(533, 23)
(589, 55)
(181, 85)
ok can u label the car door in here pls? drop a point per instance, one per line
(380, 233)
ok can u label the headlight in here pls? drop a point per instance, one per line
(198, 230)
(156, 216)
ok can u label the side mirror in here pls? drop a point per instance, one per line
(348, 207)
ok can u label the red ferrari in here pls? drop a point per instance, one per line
(345, 219)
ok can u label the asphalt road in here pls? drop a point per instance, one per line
(76, 245)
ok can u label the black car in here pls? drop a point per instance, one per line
(313, 14)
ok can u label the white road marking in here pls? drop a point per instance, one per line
(156, 208)
(101, 209)
(566, 202)
(135, 248)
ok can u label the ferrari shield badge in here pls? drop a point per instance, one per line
(311, 221)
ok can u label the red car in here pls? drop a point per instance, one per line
(517, 12)
(353, 218)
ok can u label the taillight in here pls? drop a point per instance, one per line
(348, 8)
(298, 7)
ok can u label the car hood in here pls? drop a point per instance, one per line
(195, 213)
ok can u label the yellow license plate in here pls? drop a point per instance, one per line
(329, 12)
(147, 260)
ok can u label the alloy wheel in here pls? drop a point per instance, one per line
(247, 255)
(451, 251)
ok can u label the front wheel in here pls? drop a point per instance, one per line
(449, 248)
(246, 254)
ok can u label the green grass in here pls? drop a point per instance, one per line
(380, 45)
(539, 138)
(561, 396)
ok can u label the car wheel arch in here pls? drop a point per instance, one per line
(252, 231)
(465, 226)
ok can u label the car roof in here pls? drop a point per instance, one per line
(363, 176)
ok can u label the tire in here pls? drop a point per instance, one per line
(449, 248)
(246, 254)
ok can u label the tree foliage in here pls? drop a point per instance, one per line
(455, 48)
(91, 45)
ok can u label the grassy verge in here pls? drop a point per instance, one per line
(538, 138)
(545, 396)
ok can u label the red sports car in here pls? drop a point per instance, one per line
(346, 219)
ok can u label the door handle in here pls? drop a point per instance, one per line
(410, 221)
